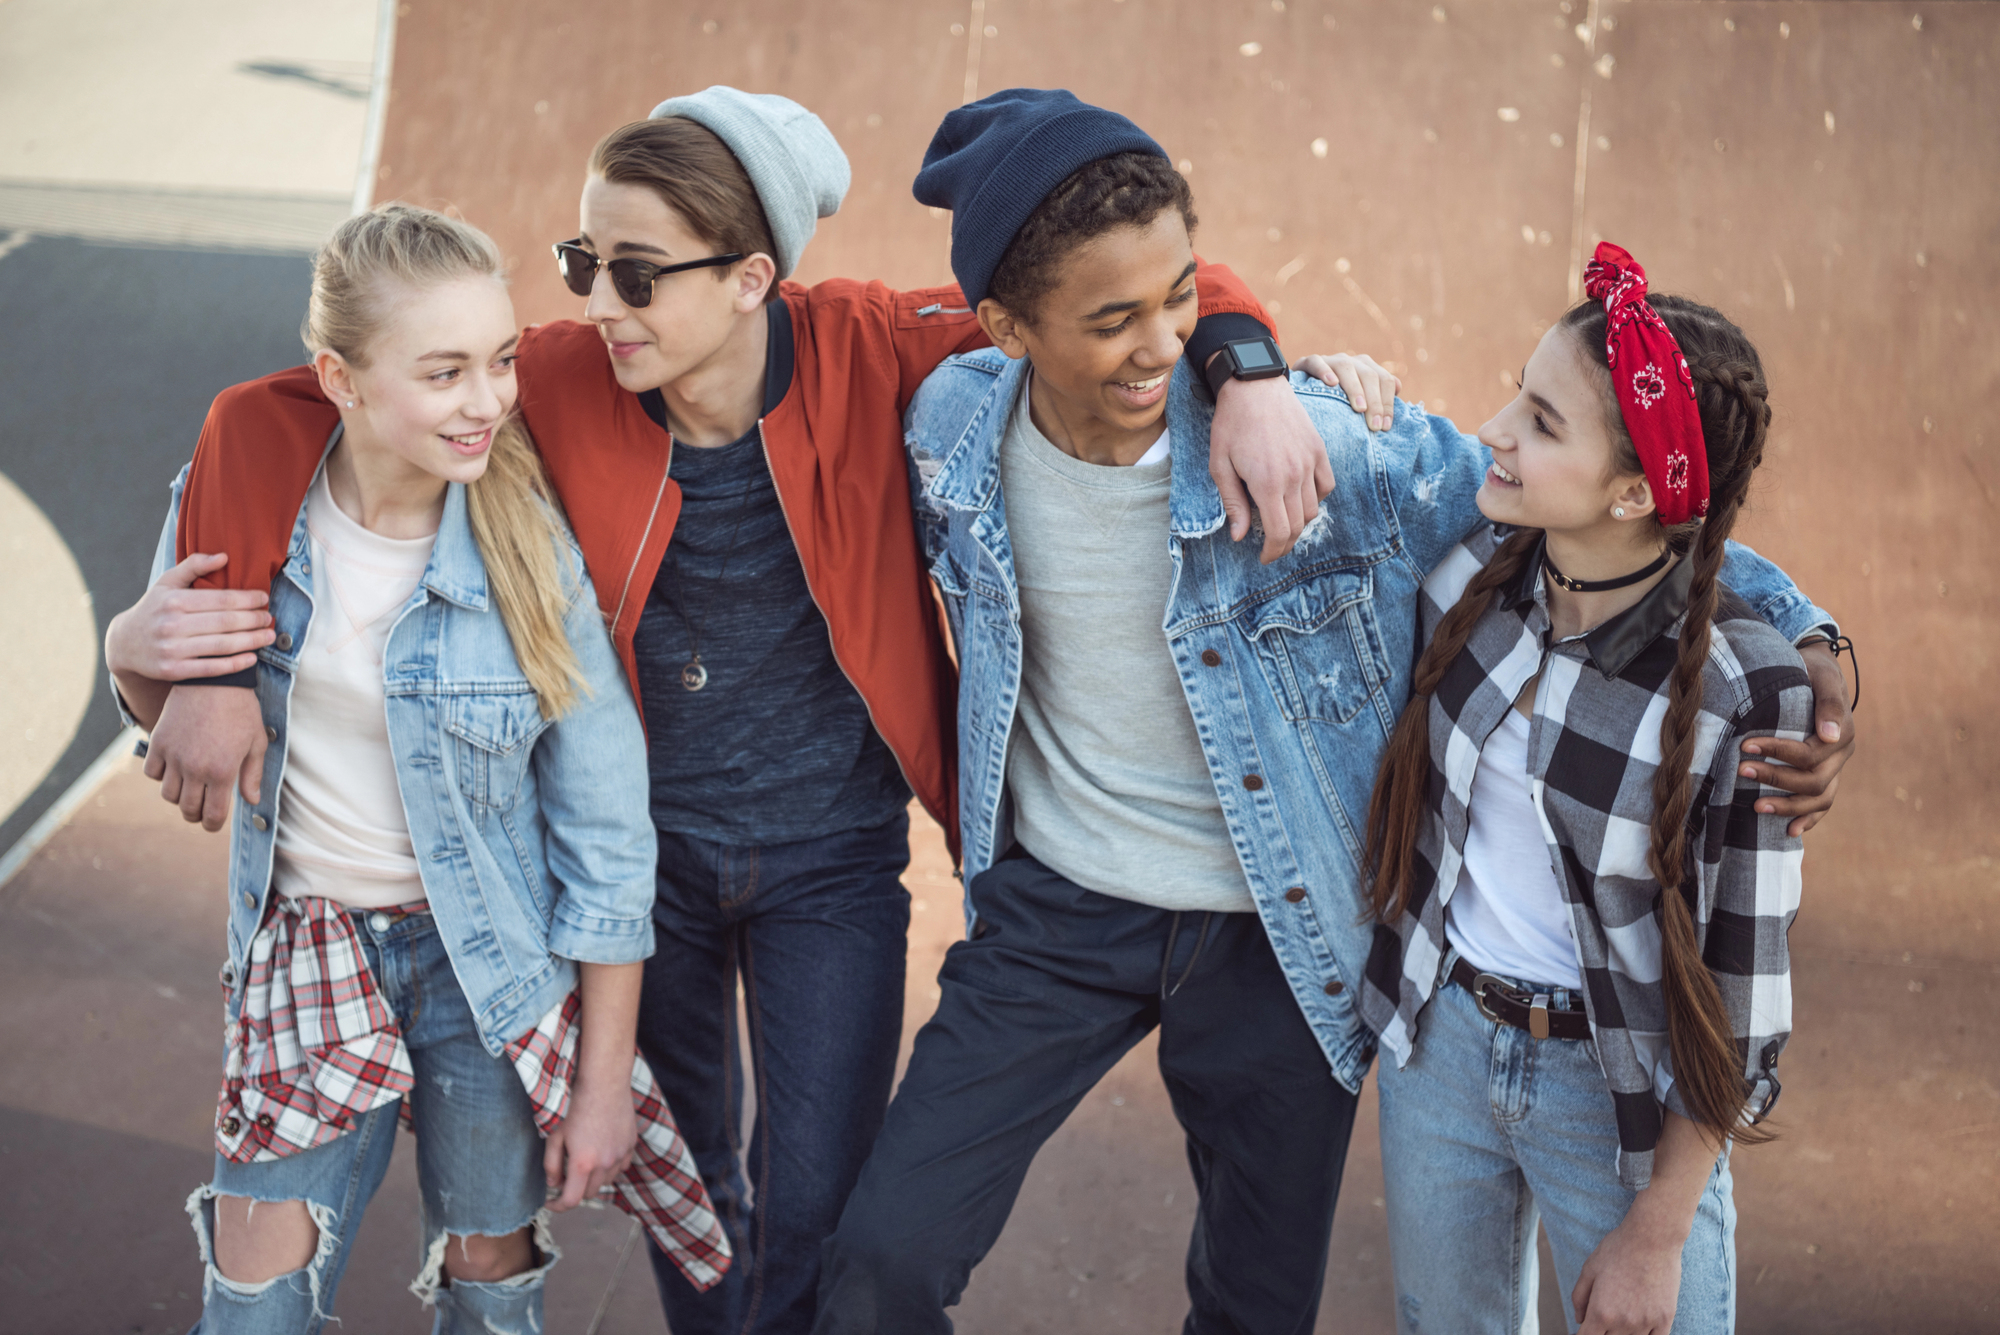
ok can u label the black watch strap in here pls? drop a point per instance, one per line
(1244, 359)
(240, 677)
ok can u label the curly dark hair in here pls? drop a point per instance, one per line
(1123, 190)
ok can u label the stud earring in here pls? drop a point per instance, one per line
(350, 403)
(1617, 511)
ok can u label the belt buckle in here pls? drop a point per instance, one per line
(1480, 982)
(1538, 1005)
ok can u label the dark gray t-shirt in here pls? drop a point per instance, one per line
(777, 745)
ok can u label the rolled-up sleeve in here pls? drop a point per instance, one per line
(590, 769)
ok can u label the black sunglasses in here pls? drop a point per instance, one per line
(633, 279)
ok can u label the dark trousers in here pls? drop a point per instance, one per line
(1057, 985)
(817, 932)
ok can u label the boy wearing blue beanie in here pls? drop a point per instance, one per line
(1167, 747)
(1122, 829)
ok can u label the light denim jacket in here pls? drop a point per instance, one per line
(533, 838)
(1295, 672)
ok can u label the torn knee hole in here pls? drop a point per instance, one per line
(481, 1258)
(257, 1241)
(247, 1245)
(520, 1257)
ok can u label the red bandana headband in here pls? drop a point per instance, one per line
(1654, 387)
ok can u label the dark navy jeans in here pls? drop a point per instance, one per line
(816, 932)
(1057, 984)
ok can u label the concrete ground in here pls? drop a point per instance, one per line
(1406, 178)
(162, 183)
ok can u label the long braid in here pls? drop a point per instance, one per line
(1731, 395)
(1707, 1065)
(1396, 808)
(1737, 404)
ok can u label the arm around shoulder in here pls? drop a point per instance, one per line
(1774, 597)
(1807, 770)
(1433, 473)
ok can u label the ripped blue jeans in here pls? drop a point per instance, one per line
(479, 1164)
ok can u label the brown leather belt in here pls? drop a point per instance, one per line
(1503, 1003)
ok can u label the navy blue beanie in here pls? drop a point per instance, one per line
(994, 161)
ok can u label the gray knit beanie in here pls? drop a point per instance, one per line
(794, 163)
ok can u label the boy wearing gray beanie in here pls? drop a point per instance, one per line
(791, 158)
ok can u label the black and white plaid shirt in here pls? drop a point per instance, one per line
(1594, 744)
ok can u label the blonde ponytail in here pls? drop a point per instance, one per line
(516, 519)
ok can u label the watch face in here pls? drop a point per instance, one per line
(1253, 356)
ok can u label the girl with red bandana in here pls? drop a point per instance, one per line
(1580, 977)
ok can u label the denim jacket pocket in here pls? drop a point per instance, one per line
(951, 581)
(954, 591)
(1318, 645)
(496, 732)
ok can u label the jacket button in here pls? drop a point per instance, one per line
(1335, 987)
(264, 1120)
(1295, 894)
(259, 824)
(249, 900)
(284, 640)
(230, 1126)
(270, 734)
(1253, 781)
(1210, 658)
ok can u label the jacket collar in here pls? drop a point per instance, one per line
(1614, 643)
(456, 571)
(1193, 501)
(969, 477)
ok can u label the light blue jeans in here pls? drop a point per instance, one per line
(479, 1165)
(1489, 1129)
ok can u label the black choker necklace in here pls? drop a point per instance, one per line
(1602, 585)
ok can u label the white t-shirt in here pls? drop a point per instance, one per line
(342, 833)
(1507, 914)
(1111, 788)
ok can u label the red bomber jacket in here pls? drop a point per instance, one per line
(834, 442)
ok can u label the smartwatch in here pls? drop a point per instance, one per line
(1244, 359)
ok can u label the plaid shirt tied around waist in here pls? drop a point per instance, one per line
(314, 1047)
(1594, 745)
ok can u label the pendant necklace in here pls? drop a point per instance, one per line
(694, 675)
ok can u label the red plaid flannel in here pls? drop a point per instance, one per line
(662, 1188)
(315, 1046)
